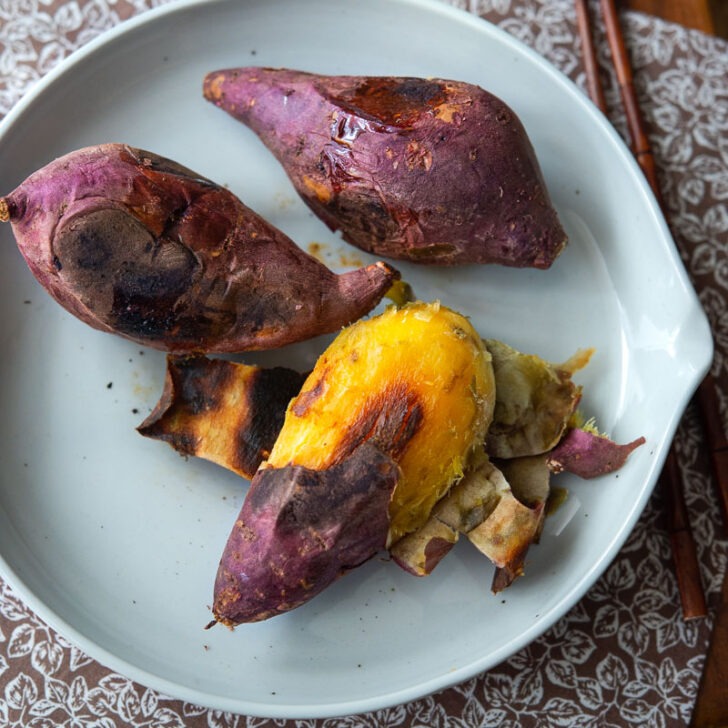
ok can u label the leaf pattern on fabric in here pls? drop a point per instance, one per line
(623, 655)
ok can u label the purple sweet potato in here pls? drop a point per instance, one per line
(405, 396)
(299, 530)
(135, 244)
(426, 170)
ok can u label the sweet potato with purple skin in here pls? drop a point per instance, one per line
(427, 170)
(299, 530)
(135, 244)
(223, 411)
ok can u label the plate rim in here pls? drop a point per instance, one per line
(566, 603)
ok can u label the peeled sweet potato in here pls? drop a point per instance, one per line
(135, 244)
(427, 170)
(393, 411)
(416, 381)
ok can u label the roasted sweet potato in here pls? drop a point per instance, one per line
(408, 397)
(427, 170)
(396, 406)
(416, 381)
(535, 403)
(223, 411)
(135, 244)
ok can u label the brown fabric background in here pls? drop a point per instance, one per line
(623, 655)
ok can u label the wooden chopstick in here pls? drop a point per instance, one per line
(684, 552)
(711, 706)
(717, 441)
(712, 421)
(641, 147)
(589, 54)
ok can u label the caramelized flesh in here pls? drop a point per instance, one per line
(417, 382)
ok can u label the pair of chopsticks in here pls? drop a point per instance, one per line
(683, 547)
(710, 706)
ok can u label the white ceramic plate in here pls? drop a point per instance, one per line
(114, 539)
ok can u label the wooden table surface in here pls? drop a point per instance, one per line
(710, 16)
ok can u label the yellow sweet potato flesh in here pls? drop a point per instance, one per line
(417, 382)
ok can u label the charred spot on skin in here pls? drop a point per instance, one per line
(86, 248)
(135, 284)
(184, 442)
(363, 220)
(144, 298)
(364, 470)
(396, 102)
(201, 389)
(92, 251)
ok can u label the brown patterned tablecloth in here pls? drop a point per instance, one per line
(623, 655)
